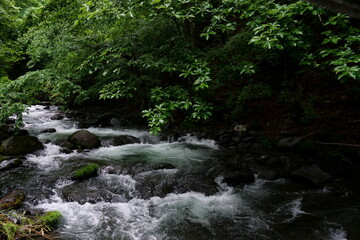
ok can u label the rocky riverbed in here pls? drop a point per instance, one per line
(221, 184)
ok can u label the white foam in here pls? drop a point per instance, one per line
(337, 234)
(293, 208)
(50, 158)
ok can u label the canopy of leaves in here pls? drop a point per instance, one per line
(172, 58)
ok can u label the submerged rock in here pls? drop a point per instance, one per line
(124, 139)
(84, 139)
(20, 145)
(49, 130)
(13, 200)
(312, 174)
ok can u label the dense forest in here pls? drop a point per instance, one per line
(256, 103)
(179, 62)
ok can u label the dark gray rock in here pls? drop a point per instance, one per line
(289, 143)
(84, 139)
(312, 174)
(271, 174)
(20, 145)
(4, 135)
(163, 166)
(124, 139)
(12, 200)
(58, 116)
(68, 145)
(239, 177)
(49, 130)
(10, 163)
(22, 132)
(82, 194)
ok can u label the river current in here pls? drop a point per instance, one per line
(134, 197)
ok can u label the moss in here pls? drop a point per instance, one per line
(86, 172)
(50, 219)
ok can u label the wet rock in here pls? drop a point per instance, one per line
(196, 183)
(115, 122)
(289, 143)
(66, 150)
(84, 139)
(12, 200)
(290, 163)
(22, 132)
(124, 139)
(239, 177)
(82, 194)
(20, 145)
(10, 163)
(163, 166)
(68, 145)
(86, 172)
(49, 130)
(109, 170)
(312, 174)
(271, 174)
(58, 116)
(4, 135)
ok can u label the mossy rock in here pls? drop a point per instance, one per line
(50, 218)
(86, 172)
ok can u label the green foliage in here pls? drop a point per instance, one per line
(249, 93)
(118, 89)
(171, 99)
(171, 57)
(85, 172)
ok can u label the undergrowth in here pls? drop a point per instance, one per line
(18, 226)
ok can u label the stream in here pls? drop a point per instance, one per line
(165, 190)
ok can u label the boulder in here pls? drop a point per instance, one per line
(4, 135)
(271, 174)
(84, 139)
(13, 200)
(239, 177)
(125, 139)
(20, 145)
(312, 174)
(58, 116)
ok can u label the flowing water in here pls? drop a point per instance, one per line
(163, 190)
